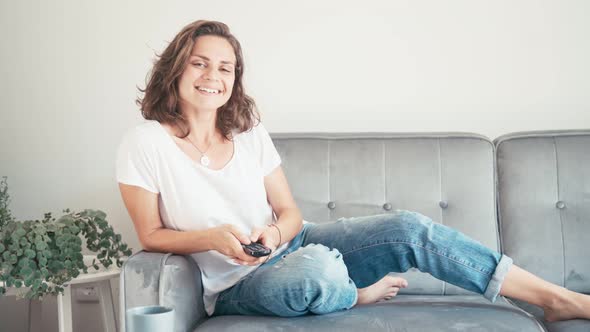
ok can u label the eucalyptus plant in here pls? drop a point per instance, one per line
(46, 254)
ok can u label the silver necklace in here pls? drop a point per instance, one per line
(205, 161)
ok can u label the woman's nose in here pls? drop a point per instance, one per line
(210, 75)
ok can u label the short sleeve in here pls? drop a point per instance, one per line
(269, 157)
(135, 164)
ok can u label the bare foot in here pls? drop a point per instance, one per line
(383, 289)
(569, 306)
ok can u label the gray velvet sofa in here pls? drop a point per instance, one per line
(525, 194)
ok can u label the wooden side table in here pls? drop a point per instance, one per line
(101, 278)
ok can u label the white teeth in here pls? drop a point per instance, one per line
(208, 90)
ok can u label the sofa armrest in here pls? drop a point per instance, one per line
(149, 278)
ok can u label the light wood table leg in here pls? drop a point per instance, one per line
(105, 296)
(64, 310)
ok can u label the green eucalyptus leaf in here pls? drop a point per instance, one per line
(23, 262)
(30, 253)
(37, 283)
(26, 271)
(56, 265)
(20, 232)
(66, 220)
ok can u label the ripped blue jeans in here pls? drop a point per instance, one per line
(324, 265)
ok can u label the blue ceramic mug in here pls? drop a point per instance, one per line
(153, 318)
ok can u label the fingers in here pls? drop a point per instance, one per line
(237, 253)
(255, 235)
(238, 234)
(242, 258)
(269, 238)
(245, 259)
(268, 243)
(254, 261)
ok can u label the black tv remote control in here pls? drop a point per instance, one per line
(256, 249)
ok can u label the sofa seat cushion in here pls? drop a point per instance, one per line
(403, 313)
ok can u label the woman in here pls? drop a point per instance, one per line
(202, 177)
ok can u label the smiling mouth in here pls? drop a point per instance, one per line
(208, 91)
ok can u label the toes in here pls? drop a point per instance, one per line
(389, 296)
(399, 282)
(404, 283)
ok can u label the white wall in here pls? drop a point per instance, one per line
(69, 70)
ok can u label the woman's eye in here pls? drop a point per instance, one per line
(226, 70)
(199, 64)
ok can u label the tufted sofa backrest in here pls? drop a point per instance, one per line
(544, 204)
(448, 177)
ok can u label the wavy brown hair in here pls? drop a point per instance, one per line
(161, 99)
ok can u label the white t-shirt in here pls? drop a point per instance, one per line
(193, 197)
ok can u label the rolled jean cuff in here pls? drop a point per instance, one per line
(354, 299)
(495, 284)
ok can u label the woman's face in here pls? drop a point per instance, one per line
(208, 78)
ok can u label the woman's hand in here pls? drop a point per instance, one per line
(228, 240)
(268, 236)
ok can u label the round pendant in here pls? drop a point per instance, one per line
(205, 161)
